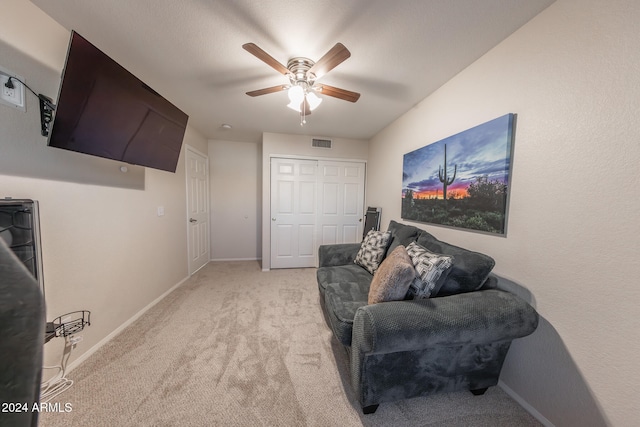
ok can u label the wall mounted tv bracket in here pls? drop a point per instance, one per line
(47, 107)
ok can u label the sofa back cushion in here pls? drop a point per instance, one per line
(401, 235)
(469, 271)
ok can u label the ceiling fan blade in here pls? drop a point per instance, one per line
(265, 57)
(268, 90)
(336, 92)
(330, 60)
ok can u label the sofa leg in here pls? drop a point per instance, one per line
(479, 391)
(370, 409)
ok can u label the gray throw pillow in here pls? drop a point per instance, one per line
(392, 280)
(432, 270)
(372, 250)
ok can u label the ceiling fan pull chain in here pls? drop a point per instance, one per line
(303, 112)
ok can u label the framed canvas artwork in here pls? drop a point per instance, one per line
(462, 181)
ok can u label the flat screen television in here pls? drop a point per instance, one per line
(104, 110)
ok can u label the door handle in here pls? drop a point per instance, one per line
(193, 220)
(273, 219)
(360, 220)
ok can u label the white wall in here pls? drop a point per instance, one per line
(34, 32)
(235, 200)
(104, 248)
(573, 77)
(275, 144)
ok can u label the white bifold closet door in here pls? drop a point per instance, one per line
(293, 212)
(313, 202)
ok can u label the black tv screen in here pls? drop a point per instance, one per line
(106, 111)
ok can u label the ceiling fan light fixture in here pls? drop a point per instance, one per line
(296, 94)
(314, 100)
(294, 106)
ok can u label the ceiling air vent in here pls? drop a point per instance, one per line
(321, 143)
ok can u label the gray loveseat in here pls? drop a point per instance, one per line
(457, 340)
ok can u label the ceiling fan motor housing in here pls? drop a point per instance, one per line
(299, 71)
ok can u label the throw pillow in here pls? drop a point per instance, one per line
(392, 280)
(432, 270)
(372, 250)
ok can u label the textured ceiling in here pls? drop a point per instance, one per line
(191, 52)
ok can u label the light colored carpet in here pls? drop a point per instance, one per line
(235, 346)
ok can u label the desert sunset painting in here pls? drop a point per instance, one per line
(461, 181)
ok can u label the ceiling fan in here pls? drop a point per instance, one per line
(303, 74)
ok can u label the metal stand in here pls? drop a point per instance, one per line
(73, 323)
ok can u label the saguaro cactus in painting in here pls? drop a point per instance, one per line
(443, 174)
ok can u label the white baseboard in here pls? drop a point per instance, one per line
(200, 268)
(236, 259)
(120, 328)
(530, 409)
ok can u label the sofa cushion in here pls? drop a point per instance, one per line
(469, 271)
(342, 274)
(373, 249)
(401, 235)
(342, 300)
(432, 270)
(392, 279)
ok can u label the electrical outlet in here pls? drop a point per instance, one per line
(13, 97)
(8, 92)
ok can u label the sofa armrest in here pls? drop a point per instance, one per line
(471, 318)
(339, 254)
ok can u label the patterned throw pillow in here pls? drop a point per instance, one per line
(432, 270)
(372, 250)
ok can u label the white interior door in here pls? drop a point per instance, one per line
(197, 209)
(340, 202)
(293, 213)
